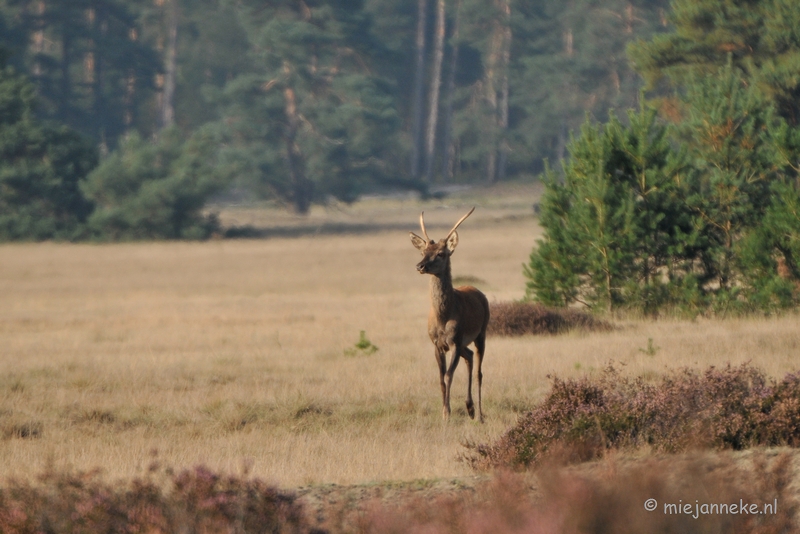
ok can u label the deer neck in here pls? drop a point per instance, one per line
(442, 293)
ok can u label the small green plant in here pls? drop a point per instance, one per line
(363, 347)
(651, 349)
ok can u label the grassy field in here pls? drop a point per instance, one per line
(234, 353)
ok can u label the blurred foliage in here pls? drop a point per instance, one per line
(155, 190)
(41, 165)
(313, 100)
(695, 212)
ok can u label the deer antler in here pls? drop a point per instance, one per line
(459, 222)
(422, 225)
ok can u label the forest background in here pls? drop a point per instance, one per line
(125, 119)
(181, 101)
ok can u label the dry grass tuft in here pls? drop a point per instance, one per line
(523, 318)
(25, 430)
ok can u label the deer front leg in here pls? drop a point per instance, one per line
(467, 355)
(454, 357)
(442, 364)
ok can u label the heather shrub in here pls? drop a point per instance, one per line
(598, 498)
(608, 497)
(580, 419)
(612, 497)
(521, 318)
(195, 500)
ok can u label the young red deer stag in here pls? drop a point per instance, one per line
(457, 318)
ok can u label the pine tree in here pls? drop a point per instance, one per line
(611, 228)
(41, 166)
(212, 50)
(155, 190)
(761, 38)
(768, 256)
(314, 119)
(727, 187)
(569, 59)
(91, 68)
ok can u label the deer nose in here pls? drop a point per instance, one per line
(421, 267)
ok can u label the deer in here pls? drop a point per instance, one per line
(458, 316)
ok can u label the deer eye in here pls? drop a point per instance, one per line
(441, 254)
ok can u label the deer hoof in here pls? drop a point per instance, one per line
(471, 410)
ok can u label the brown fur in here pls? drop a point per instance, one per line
(458, 317)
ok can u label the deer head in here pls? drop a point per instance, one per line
(436, 256)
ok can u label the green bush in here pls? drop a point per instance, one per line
(41, 166)
(155, 190)
(614, 224)
(639, 224)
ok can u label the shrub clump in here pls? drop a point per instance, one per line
(195, 500)
(722, 408)
(608, 497)
(521, 318)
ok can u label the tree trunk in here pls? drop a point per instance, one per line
(495, 51)
(448, 147)
(419, 83)
(130, 89)
(436, 82)
(170, 66)
(301, 187)
(629, 18)
(94, 72)
(504, 148)
(65, 89)
(561, 147)
(37, 45)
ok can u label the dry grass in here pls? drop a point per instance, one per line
(233, 352)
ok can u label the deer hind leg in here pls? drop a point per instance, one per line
(454, 357)
(480, 346)
(467, 355)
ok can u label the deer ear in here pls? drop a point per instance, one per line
(418, 242)
(452, 242)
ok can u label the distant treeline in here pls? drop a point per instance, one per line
(134, 112)
(295, 101)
